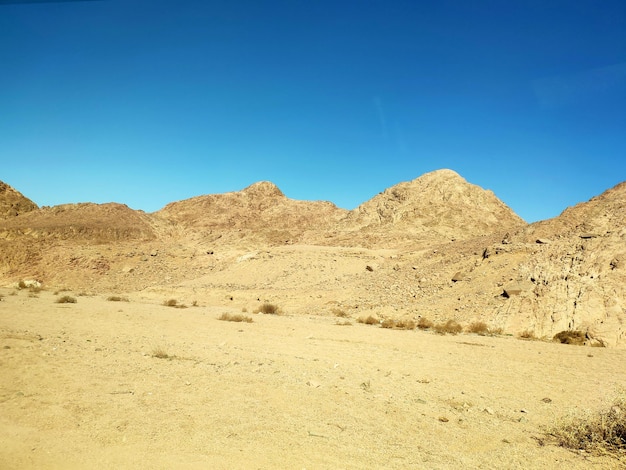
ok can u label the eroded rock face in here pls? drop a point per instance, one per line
(13, 203)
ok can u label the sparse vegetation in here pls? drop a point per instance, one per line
(117, 298)
(369, 320)
(478, 327)
(269, 309)
(173, 303)
(339, 313)
(424, 323)
(343, 323)
(160, 353)
(601, 432)
(528, 334)
(398, 324)
(575, 337)
(194, 303)
(482, 329)
(450, 327)
(21, 285)
(237, 317)
(66, 299)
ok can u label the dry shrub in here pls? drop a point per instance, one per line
(66, 299)
(21, 285)
(117, 298)
(576, 337)
(173, 303)
(424, 323)
(528, 334)
(451, 326)
(369, 320)
(405, 324)
(160, 353)
(478, 327)
(237, 317)
(269, 309)
(388, 323)
(601, 432)
(339, 313)
(344, 323)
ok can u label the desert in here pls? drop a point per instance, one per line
(426, 328)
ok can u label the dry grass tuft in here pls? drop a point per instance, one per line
(160, 353)
(369, 320)
(424, 324)
(576, 337)
(451, 326)
(602, 432)
(269, 309)
(237, 317)
(173, 303)
(66, 299)
(478, 327)
(117, 298)
(528, 334)
(343, 323)
(339, 313)
(398, 324)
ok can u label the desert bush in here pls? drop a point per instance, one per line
(407, 324)
(339, 313)
(451, 326)
(478, 327)
(424, 323)
(388, 323)
(527, 334)
(117, 298)
(160, 353)
(369, 320)
(194, 303)
(269, 309)
(601, 432)
(344, 323)
(235, 317)
(576, 337)
(173, 303)
(66, 299)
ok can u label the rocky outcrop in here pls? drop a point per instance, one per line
(13, 203)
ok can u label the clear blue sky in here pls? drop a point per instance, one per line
(149, 101)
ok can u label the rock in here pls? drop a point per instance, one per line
(459, 276)
(586, 236)
(543, 241)
(369, 268)
(512, 290)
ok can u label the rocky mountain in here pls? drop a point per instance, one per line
(440, 205)
(436, 246)
(13, 203)
(260, 213)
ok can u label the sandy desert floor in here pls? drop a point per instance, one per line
(80, 388)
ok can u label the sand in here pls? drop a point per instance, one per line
(80, 387)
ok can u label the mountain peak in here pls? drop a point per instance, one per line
(263, 188)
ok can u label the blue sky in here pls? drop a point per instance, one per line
(147, 102)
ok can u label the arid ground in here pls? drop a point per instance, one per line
(81, 387)
(345, 375)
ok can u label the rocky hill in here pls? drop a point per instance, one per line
(440, 205)
(13, 203)
(259, 214)
(436, 246)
